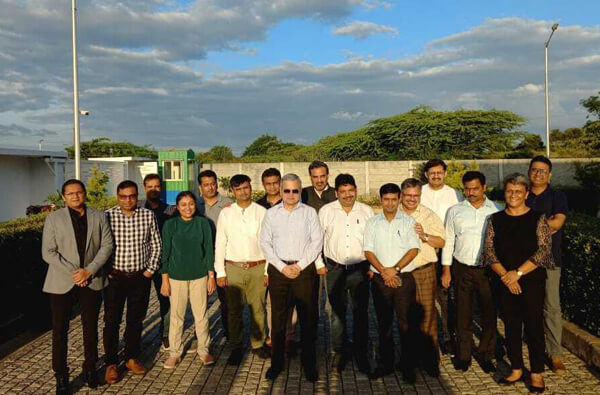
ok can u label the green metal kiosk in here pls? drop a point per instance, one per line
(178, 171)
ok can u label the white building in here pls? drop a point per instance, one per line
(27, 177)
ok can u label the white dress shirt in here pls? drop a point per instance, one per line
(294, 235)
(465, 231)
(238, 235)
(440, 200)
(344, 232)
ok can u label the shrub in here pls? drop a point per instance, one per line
(580, 288)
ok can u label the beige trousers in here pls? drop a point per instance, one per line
(196, 292)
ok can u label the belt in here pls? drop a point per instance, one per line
(247, 264)
(290, 262)
(424, 266)
(120, 273)
(350, 266)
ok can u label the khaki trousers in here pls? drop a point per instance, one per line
(194, 291)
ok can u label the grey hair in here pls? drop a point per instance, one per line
(516, 178)
(291, 177)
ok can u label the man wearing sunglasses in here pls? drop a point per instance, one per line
(291, 239)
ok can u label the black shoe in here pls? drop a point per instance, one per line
(164, 344)
(537, 390)
(62, 385)
(236, 356)
(504, 381)
(362, 362)
(461, 365)
(487, 366)
(311, 374)
(409, 376)
(272, 373)
(448, 347)
(432, 371)
(381, 372)
(91, 378)
(262, 352)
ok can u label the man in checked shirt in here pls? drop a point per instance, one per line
(135, 259)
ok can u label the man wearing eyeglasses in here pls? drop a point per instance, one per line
(553, 203)
(135, 260)
(76, 244)
(291, 239)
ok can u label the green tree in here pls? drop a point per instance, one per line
(592, 105)
(96, 190)
(217, 154)
(103, 147)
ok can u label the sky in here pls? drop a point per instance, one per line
(199, 73)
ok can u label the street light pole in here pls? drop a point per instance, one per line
(76, 146)
(554, 27)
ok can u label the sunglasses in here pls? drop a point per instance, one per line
(294, 191)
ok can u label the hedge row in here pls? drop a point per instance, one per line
(580, 286)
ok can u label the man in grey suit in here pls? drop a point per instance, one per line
(76, 243)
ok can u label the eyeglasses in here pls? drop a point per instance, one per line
(539, 171)
(294, 191)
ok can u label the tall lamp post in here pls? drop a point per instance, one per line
(554, 27)
(76, 146)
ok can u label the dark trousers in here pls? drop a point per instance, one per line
(341, 281)
(471, 282)
(134, 290)
(61, 306)
(386, 301)
(286, 293)
(526, 308)
(163, 305)
(222, 296)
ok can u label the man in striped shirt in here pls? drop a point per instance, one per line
(135, 260)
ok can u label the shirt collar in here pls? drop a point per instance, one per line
(486, 203)
(338, 206)
(545, 192)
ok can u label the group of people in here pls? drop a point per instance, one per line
(277, 255)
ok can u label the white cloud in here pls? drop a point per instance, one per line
(528, 89)
(362, 30)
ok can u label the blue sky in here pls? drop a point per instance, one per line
(199, 73)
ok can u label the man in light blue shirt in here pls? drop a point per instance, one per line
(390, 246)
(291, 239)
(465, 228)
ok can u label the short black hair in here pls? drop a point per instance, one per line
(389, 188)
(127, 184)
(473, 175)
(270, 172)
(344, 179)
(410, 183)
(238, 180)
(541, 158)
(315, 164)
(433, 163)
(183, 194)
(73, 181)
(152, 176)
(206, 173)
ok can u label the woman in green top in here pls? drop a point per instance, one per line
(188, 274)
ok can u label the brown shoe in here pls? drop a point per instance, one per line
(558, 366)
(135, 366)
(112, 374)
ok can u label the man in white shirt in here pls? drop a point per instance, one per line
(439, 197)
(343, 222)
(465, 228)
(240, 267)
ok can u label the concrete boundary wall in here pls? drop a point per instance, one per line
(370, 175)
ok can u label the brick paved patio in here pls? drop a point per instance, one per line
(27, 371)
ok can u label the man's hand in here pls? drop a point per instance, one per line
(515, 289)
(393, 282)
(81, 276)
(510, 278)
(291, 271)
(266, 280)
(420, 231)
(148, 274)
(212, 285)
(222, 282)
(322, 271)
(388, 273)
(165, 288)
(446, 277)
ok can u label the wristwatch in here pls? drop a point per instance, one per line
(397, 268)
(426, 237)
(519, 273)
